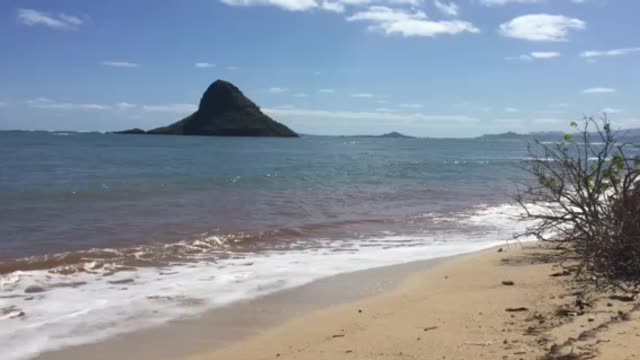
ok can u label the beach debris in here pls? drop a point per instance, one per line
(359, 311)
(500, 250)
(561, 273)
(516, 309)
(337, 336)
(623, 298)
(566, 312)
(34, 289)
(508, 283)
(429, 328)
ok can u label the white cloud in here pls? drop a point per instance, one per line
(120, 64)
(609, 53)
(511, 110)
(290, 5)
(336, 7)
(32, 17)
(610, 110)
(3, 104)
(277, 90)
(505, 2)
(171, 108)
(204, 65)
(599, 90)
(48, 104)
(362, 95)
(383, 109)
(232, 67)
(396, 21)
(326, 91)
(544, 55)
(536, 55)
(450, 9)
(541, 27)
(300, 95)
(378, 115)
(410, 106)
(124, 105)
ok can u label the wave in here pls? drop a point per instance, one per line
(42, 310)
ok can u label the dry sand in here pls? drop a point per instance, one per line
(458, 310)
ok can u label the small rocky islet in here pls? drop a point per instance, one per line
(223, 111)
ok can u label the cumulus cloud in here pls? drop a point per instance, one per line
(31, 17)
(204, 65)
(326, 91)
(609, 53)
(599, 90)
(336, 7)
(401, 22)
(511, 109)
(610, 110)
(450, 9)
(301, 95)
(232, 67)
(541, 27)
(120, 64)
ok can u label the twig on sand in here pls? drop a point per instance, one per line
(479, 343)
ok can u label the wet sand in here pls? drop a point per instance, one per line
(226, 325)
(488, 305)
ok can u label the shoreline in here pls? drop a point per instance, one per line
(242, 320)
(516, 302)
(504, 302)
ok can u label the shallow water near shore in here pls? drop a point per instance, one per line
(108, 234)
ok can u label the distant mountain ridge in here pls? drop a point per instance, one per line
(223, 111)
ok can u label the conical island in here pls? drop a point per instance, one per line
(223, 111)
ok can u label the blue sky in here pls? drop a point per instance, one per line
(423, 67)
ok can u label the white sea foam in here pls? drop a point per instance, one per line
(104, 305)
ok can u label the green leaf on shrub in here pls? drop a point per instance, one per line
(574, 124)
(568, 137)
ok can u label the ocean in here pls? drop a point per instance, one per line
(102, 234)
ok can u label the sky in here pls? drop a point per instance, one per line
(440, 68)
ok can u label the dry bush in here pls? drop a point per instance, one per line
(586, 200)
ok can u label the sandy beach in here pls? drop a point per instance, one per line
(511, 302)
(514, 303)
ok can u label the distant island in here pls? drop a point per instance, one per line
(507, 135)
(223, 111)
(393, 134)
